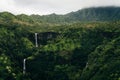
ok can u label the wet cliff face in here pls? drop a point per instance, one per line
(43, 37)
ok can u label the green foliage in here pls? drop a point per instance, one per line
(6, 71)
(104, 62)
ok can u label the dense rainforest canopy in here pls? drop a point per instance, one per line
(82, 45)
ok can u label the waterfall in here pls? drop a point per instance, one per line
(36, 42)
(24, 66)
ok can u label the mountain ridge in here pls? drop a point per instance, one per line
(86, 14)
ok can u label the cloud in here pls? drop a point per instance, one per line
(51, 6)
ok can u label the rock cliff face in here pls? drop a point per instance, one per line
(43, 37)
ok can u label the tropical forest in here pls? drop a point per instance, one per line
(80, 45)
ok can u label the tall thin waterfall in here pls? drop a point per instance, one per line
(36, 42)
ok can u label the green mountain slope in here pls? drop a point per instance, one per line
(88, 14)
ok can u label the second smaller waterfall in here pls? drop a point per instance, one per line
(24, 66)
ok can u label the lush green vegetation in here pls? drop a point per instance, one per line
(73, 50)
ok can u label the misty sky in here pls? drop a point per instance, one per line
(51, 6)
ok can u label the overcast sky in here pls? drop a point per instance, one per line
(51, 6)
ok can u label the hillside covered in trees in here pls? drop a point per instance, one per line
(82, 45)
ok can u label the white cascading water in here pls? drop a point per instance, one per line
(24, 66)
(36, 43)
